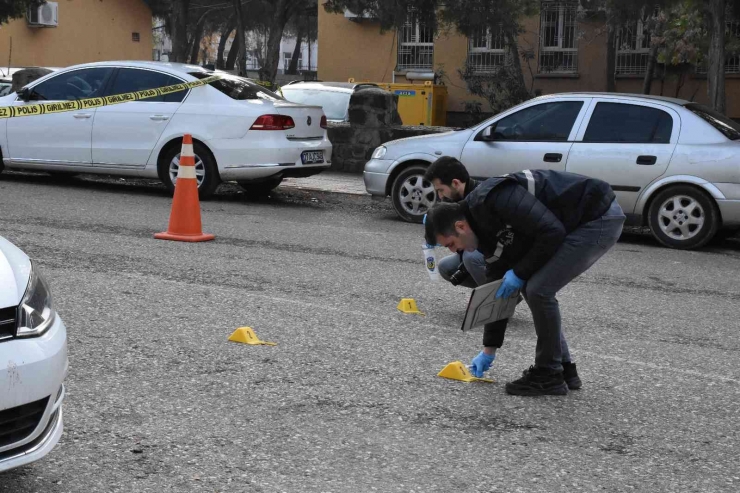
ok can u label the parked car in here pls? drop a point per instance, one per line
(241, 131)
(33, 362)
(333, 97)
(674, 165)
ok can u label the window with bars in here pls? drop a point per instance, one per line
(633, 49)
(558, 37)
(415, 47)
(486, 51)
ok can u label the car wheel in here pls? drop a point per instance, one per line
(261, 188)
(683, 217)
(206, 171)
(412, 195)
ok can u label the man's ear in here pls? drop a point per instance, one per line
(455, 183)
(461, 227)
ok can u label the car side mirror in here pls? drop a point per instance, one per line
(487, 134)
(25, 94)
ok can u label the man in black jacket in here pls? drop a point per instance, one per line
(571, 222)
(453, 183)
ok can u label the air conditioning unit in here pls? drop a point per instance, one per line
(45, 15)
(356, 17)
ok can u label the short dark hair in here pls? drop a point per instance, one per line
(441, 220)
(446, 169)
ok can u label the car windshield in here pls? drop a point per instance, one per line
(729, 128)
(334, 103)
(239, 88)
(5, 88)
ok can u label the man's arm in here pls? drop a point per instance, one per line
(513, 205)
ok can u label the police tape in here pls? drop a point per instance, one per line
(92, 103)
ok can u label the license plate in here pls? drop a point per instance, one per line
(312, 157)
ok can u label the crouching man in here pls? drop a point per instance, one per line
(452, 184)
(570, 221)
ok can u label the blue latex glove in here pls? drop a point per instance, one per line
(424, 220)
(510, 285)
(481, 364)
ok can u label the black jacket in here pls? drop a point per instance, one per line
(532, 211)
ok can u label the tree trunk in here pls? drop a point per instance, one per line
(242, 45)
(225, 34)
(611, 59)
(520, 91)
(179, 25)
(231, 59)
(293, 67)
(647, 83)
(269, 69)
(680, 82)
(716, 69)
(662, 80)
(197, 38)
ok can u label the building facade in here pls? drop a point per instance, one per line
(78, 31)
(567, 52)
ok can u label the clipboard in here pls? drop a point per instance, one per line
(484, 308)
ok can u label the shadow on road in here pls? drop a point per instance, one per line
(227, 192)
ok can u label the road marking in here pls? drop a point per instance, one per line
(693, 373)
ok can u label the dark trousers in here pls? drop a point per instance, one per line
(579, 251)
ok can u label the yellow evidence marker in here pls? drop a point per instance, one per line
(458, 371)
(408, 305)
(246, 335)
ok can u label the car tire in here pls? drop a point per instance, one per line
(412, 195)
(260, 188)
(683, 217)
(205, 167)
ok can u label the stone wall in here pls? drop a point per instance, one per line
(373, 120)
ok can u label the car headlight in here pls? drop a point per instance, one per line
(379, 153)
(35, 313)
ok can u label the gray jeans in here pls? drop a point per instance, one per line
(474, 262)
(579, 251)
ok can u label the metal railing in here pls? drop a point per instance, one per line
(633, 49)
(415, 47)
(558, 42)
(486, 52)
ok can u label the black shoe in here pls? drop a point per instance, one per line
(538, 381)
(571, 376)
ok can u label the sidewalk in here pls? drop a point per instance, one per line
(328, 182)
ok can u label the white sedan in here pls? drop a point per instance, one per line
(33, 362)
(241, 131)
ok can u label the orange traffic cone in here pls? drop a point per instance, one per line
(185, 222)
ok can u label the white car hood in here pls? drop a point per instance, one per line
(428, 144)
(15, 269)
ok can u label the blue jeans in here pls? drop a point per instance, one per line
(579, 251)
(474, 262)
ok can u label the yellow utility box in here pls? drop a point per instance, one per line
(419, 104)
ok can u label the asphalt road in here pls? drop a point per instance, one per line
(349, 400)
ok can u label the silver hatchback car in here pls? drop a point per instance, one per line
(674, 165)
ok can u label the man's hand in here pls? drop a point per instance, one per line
(481, 363)
(510, 285)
